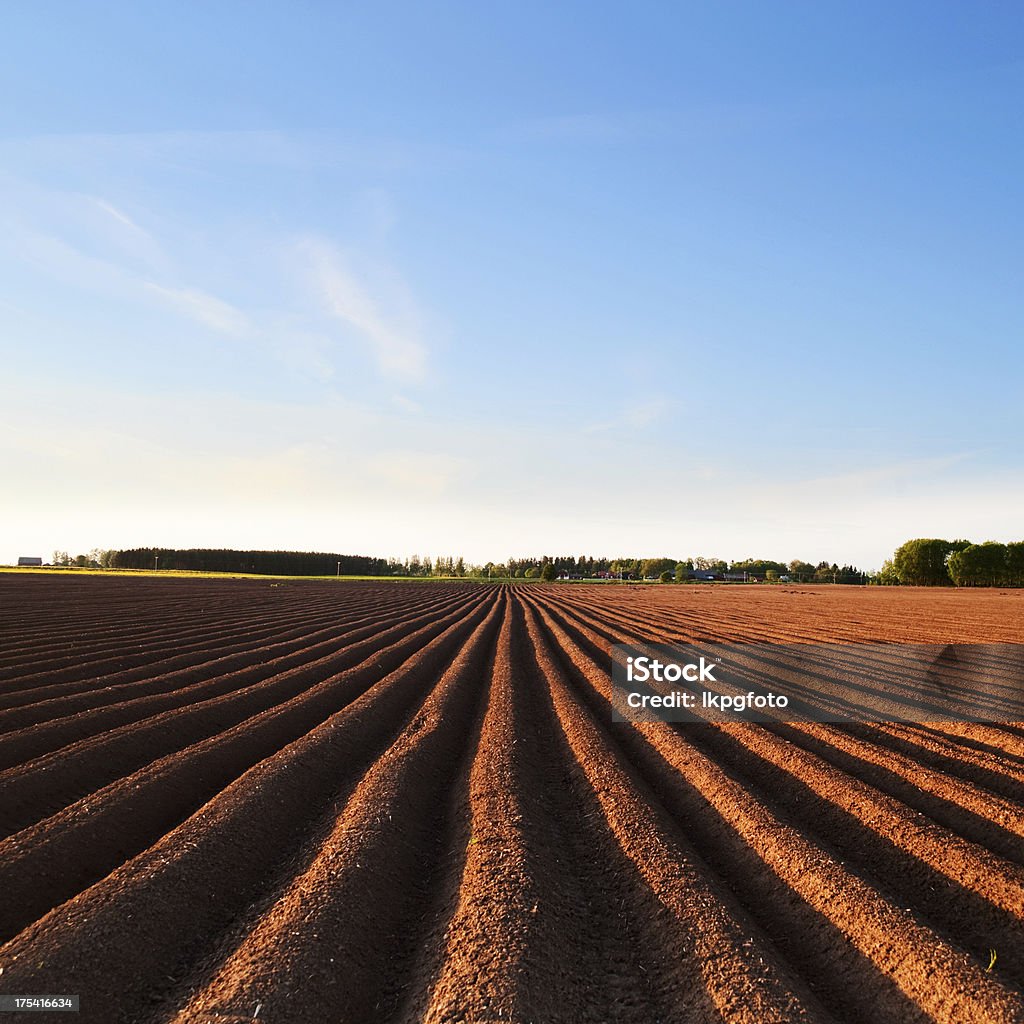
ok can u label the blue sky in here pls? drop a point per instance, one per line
(723, 279)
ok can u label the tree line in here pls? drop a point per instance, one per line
(320, 563)
(268, 563)
(680, 570)
(97, 558)
(933, 562)
(923, 562)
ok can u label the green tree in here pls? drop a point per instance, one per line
(979, 565)
(683, 570)
(962, 567)
(654, 567)
(887, 575)
(758, 566)
(665, 577)
(850, 574)
(923, 562)
(547, 574)
(1015, 564)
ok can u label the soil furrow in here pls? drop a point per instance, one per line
(541, 929)
(798, 890)
(739, 968)
(392, 820)
(51, 861)
(212, 700)
(293, 801)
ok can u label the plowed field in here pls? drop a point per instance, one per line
(226, 801)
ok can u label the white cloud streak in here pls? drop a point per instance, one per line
(118, 215)
(384, 322)
(214, 313)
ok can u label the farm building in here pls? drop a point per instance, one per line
(29, 560)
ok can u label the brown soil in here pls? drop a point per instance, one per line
(226, 801)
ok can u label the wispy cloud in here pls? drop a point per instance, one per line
(215, 313)
(68, 264)
(888, 475)
(382, 315)
(118, 215)
(87, 242)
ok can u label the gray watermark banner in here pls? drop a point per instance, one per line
(870, 682)
(38, 1004)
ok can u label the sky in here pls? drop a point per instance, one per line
(731, 279)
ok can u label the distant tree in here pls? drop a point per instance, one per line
(284, 563)
(654, 567)
(962, 567)
(682, 572)
(887, 575)
(665, 577)
(850, 574)
(1015, 564)
(758, 567)
(531, 572)
(979, 565)
(923, 562)
(548, 573)
(801, 570)
(992, 556)
(825, 573)
(61, 558)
